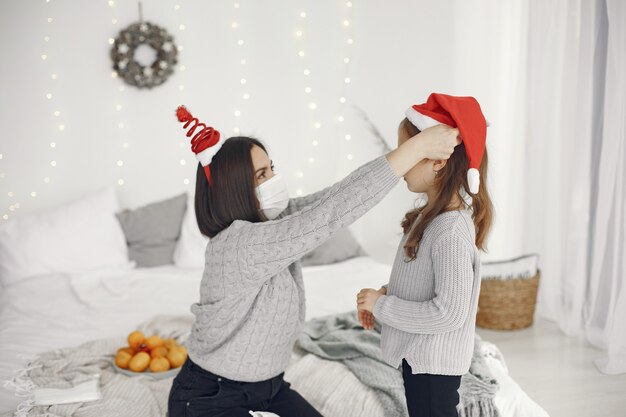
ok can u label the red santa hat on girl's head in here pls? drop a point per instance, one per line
(205, 143)
(460, 112)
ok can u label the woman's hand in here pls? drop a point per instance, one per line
(434, 143)
(437, 142)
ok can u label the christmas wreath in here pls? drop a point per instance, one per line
(133, 72)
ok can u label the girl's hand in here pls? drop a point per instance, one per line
(438, 142)
(366, 299)
(366, 319)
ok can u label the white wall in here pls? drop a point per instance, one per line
(402, 51)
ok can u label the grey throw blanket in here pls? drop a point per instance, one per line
(340, 337)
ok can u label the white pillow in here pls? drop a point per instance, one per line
(79, 236)
(191, 245)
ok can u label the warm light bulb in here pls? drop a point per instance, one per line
(120, 163)
(347, 80)
(340, 118)
(181, 27)
(307, 90)
(240, 42)
(53, 144)
(315, 143)
(350, 156)
(243, 81)
(348, 137)
(302, 14)
(234, 25)
(307, 72)
(183, 162)
(312, 106)
(120, 182)
(53, 163)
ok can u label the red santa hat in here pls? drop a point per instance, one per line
(205, 143)
(459, 112)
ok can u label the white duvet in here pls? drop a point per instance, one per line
(61, 310)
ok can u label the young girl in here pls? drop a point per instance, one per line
(428, 309)
(251, 303)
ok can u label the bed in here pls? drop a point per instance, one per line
(47, 311)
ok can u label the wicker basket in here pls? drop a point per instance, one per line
(507, 304)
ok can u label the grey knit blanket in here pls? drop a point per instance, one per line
(340, 337)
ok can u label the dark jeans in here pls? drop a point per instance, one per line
(196, 392)
(430, 395)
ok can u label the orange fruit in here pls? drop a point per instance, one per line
(139, 362)
(159, 365)
(159, 352)
(170, 343)
(154, 342)
(135, 339)
(176, 357)
(128, 350)
(122, 359)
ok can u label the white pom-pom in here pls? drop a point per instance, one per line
(473, 179)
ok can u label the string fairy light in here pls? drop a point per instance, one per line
(346, 24)
(119, 105)
(313, 106)
(244, 95)
(59, 126)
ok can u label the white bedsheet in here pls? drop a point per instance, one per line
(54, 311)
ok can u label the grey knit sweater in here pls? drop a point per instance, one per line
(252, 303)
(428, 315)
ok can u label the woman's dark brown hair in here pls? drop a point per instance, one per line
(448, 183)
(232, 195)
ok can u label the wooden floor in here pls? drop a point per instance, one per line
(557, 371)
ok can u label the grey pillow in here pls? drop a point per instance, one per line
(152, 231)
(340, 247)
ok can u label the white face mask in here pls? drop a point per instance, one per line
(273, 196)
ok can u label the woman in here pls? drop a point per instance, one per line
(251, 305)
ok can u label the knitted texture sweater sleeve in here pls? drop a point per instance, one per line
(447, 311)
(269, 247)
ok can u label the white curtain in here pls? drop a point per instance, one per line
(575, 156)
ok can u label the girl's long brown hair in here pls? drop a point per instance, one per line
(448, 183)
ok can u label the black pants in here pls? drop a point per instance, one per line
(199, 393)
(430, 395)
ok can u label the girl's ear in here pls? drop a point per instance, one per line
(439, 164)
